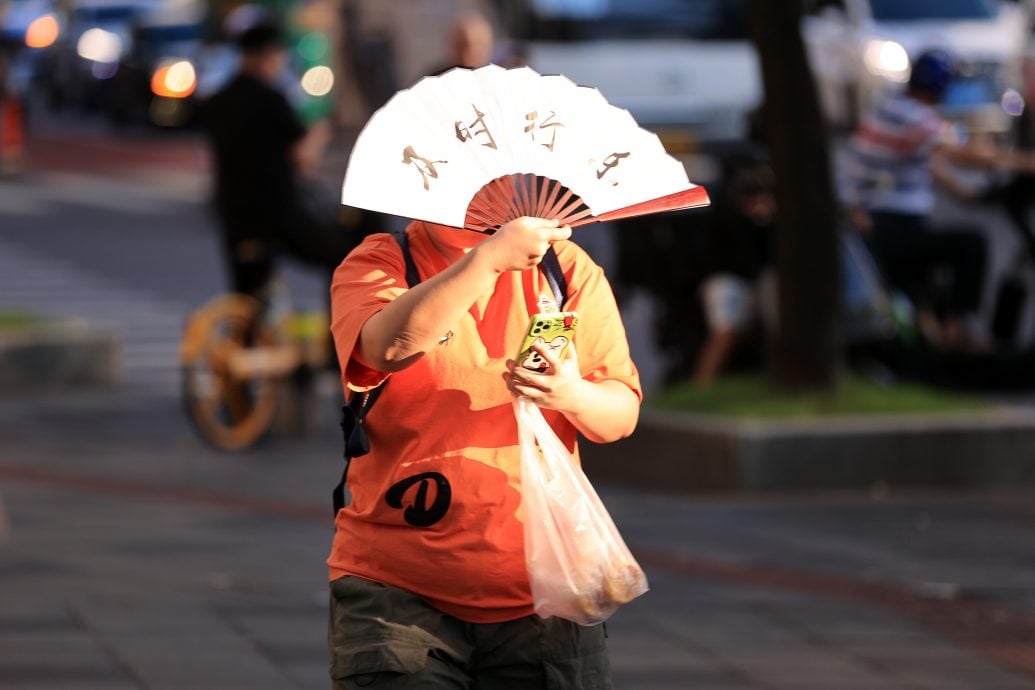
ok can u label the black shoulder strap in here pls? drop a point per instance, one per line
(551, 268)
(354, 412)
(412, 277)
(356, 409)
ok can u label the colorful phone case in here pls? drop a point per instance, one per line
(553, 331)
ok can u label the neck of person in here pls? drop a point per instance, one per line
(453, 243)
(256, 67)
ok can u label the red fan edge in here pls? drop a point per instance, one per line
(481, 215)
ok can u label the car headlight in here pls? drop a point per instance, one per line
(42, 32)
(318, 81)
(887, 59)
(100, 46)
(174, 80)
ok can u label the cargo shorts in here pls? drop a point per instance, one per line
(384, 637)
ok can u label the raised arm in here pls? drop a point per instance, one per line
(398, 335)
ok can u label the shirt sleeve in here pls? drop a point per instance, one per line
(370, 277)
(600, 342)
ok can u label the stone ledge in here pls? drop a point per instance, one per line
(58, 354)
(684, 452)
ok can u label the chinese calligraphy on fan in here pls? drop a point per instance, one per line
(543, 130)
(425, 167)
(546, 123)
(466, 132)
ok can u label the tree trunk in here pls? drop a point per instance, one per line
(805, 350)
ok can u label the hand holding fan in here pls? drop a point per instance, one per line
(478, 148)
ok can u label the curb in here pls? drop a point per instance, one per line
(58, 355)
(692, 453)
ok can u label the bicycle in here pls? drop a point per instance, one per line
(242, 359)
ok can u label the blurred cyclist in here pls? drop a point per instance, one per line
(263, 156)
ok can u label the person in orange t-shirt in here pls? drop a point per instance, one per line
(428, 577)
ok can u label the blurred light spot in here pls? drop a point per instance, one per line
(1012, 102)
(99, 45)
(887, 59)
(313, 46)
(104, 70)
(175, 80)
(318, 81)
(42, 32)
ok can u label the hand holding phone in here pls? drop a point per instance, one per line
(553, 331)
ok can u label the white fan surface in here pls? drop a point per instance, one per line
(477, 148)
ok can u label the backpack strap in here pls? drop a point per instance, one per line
(551, 268)
(412, 276)
(354, 412)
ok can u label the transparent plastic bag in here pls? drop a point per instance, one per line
(578, 566)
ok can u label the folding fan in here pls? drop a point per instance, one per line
(477, 148)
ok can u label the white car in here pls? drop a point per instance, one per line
(860, 49)
(685, 69)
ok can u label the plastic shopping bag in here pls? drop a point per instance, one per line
(578, 566)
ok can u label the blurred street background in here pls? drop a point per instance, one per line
(165, 508)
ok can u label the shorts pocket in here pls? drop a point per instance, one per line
(365, 661)
(576, 657)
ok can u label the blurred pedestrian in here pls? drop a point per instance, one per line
(739, 293)
(429, 582)
(900, 149)
(266, 165)
(470, 43)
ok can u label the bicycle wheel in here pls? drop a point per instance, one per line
(228, 411)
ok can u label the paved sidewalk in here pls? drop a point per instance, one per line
(137, 558)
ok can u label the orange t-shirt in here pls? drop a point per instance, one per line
(435, 504)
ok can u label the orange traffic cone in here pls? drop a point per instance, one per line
(12, 135)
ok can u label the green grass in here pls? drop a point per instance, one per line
(752, 397)
(19, 321)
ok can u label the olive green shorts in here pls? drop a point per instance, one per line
(384, 637)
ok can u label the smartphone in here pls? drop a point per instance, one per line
(553, 331)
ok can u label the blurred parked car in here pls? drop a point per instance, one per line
(28, 28)
(20, 23)
(684, 68)
(861, 48)
(158, 76)
(98, 34)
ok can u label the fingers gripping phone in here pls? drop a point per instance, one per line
(552, 331)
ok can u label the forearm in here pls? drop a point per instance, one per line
(412, 324)
(309, 150)
(972, 156)
(603, 411)
(990, 158)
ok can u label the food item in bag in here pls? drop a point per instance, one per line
(614, 585)
(624, 583)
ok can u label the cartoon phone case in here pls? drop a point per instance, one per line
(553, 331)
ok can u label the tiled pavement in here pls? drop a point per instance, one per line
(137, 558)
